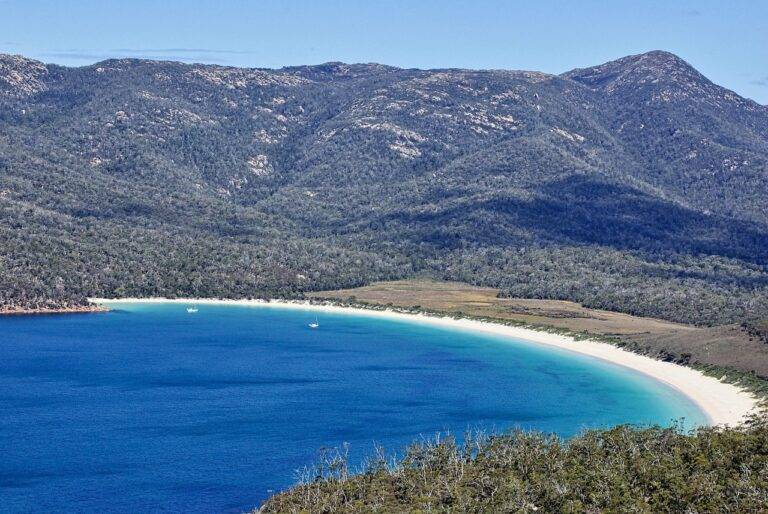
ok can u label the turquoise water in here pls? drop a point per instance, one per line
(150, 408)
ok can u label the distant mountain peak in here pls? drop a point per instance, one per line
(659, 77)
(658, 61)
(634, 71)
(660, 56)
(337, 70)
(20, 76)
(15, 59)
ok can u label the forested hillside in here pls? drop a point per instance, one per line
(637, 185)
(621, 469)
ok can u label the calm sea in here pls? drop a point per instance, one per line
(149, 408)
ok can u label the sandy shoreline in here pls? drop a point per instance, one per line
(722, 403)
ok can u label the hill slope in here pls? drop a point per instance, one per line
(622, 469)
(637, 185)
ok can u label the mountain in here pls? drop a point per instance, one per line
(637, 185)
(708, 143)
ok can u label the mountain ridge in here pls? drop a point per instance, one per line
(347, 173)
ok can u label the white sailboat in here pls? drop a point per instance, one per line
(316, 324)
(192, 309)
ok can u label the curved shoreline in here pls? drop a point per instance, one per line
(721, 403)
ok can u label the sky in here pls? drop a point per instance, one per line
(725, 40)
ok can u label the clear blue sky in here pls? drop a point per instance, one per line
(725, 40)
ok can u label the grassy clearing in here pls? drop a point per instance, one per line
(725, 350)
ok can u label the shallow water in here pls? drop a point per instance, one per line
(150, 408)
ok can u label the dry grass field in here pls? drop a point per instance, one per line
(727, 346)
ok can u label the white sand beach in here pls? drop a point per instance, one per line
(722, 403)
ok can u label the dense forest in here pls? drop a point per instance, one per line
(637, 186)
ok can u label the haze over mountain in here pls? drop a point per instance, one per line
(637, 185)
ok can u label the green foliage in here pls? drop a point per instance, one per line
(757, 328)
(623, 469)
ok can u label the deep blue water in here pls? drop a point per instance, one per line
(149, 408)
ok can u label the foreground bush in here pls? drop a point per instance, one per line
(623, 469)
